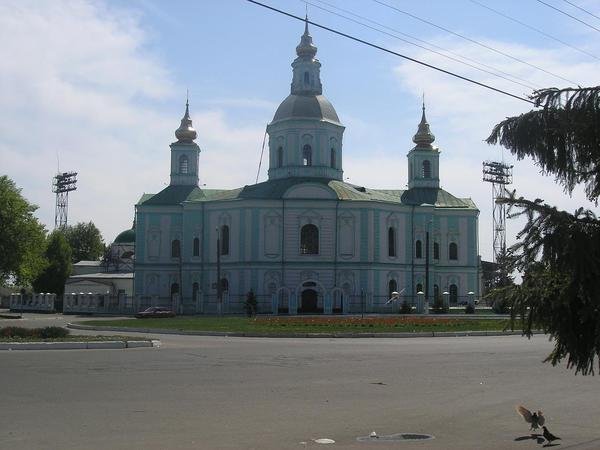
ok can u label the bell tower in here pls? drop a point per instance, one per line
(185, 153)
(305, 135)
(424, 158)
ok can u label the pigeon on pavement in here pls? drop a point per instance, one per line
(535, 419)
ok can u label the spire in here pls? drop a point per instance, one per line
(306, 48)
(186, 132)
(306, 79)
(424, 137)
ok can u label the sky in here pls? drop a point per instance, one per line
(98, 87)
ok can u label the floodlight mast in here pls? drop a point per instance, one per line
(500, 175)
(62, 184)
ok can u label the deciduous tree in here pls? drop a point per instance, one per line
(85, 241)
(22, 236)
(58, 265)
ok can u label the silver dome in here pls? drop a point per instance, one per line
(306, 107)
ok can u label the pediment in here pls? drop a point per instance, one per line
(310, 191)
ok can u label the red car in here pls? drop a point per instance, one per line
(155, 312)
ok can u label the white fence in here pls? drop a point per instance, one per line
(32, 303)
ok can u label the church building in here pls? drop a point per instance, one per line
(304, 241)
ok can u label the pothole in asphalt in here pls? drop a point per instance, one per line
(395, 437)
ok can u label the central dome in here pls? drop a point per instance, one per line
(306, 107)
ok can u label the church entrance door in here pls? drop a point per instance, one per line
(309, 301)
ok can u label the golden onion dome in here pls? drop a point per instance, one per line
(186, 132)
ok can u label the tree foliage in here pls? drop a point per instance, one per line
(497, 279)
(58, 265)
(558, 252)
(85, 241)
(22, 236)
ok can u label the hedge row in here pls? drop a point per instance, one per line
(41, 333)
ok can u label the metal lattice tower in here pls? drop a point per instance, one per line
(62, 184)
(499, 174)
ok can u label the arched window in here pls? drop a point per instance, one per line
(196, 247)
(175, 249)
(426, 169)
(195, 290)
(174, 289)
(436, 250)
(309, 240)
(183, 164)
(224, 240)
(332, 157)
(436, 292)
(280, 157)
(418, 249)
(307, 155)
(306, 78)
(419, 288)
(392, 287)
(453, 294)
(453, 251)
(391, 241)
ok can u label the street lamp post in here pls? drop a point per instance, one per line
(219, 287)
(427, 266)
(427, 262)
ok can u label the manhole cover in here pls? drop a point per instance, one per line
(396, 437)
(324, 441)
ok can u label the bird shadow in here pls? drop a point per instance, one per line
(550, 445)
(533, 436)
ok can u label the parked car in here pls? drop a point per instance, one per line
(155, 312)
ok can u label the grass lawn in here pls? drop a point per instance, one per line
(309, 324)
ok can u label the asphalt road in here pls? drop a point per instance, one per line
(251, 393)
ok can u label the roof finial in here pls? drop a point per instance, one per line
(186, 132)
(306, 46)
(424, 137)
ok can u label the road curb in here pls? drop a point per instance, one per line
(301, 335)
(91, 345)
(10, 316)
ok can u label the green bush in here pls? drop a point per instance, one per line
(439, 307)
(15, 332)
(251, 304)
(501, 306)
(469, 309)
(41, 333)
(405, 308)
(52, 332)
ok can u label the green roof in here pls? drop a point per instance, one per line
(173, 195)
(126, 237)
(276, 189)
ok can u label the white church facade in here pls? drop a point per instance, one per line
(304, 241)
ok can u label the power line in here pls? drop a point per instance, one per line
(500, 52)
(496, 73)
(568, 15)
(582, 9)
(378, 47)
(537, 30)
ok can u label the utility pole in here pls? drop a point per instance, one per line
(219, 286)
(427, 265)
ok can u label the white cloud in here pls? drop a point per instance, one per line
(72, 77)
(462, 116)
